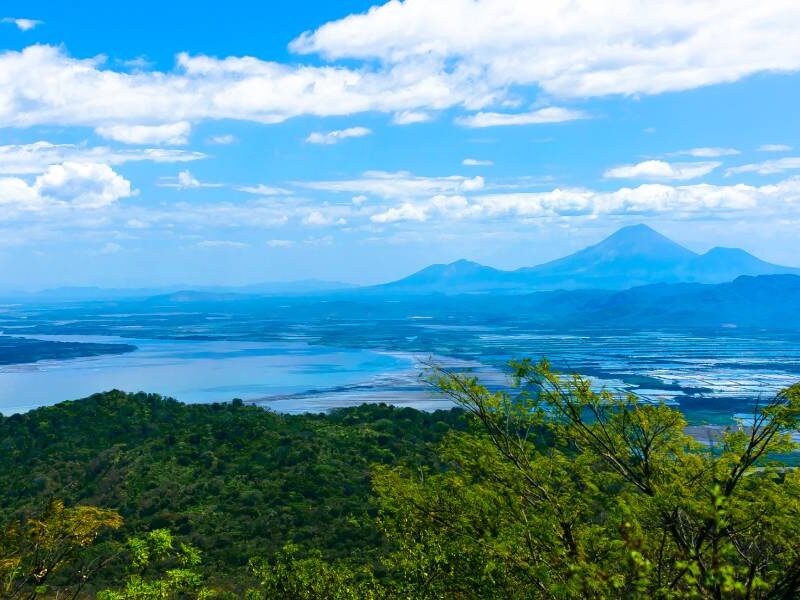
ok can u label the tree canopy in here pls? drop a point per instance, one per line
(548, 489)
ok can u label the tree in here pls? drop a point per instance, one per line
(160, 571)
(562, 491)
(48, 554)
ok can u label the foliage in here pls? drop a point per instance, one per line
(554, 490)
(232, 480)
(564, 492)
(51, 546)
(176, 570)
(292, 576)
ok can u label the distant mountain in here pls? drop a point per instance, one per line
(463, 275)
(764, 301)
(633, 256)
(771, 301)
(725, 264)
(86, 294)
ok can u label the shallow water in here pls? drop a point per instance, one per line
(200, 371)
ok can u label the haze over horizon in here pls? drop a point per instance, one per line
(361, 141)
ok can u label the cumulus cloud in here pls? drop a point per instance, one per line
(774, 148)
(682, 44)
(405, 212)
(67, 185)
(170, 134)
(431, 56)
(474, 162)
(334, 137)
(323, 218)
(688, 201)
(661, 170)
(551, 114)
(23, 24)
(24, 159)
(767, 167)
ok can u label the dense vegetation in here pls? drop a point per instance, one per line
(553, 491)
(18, 350)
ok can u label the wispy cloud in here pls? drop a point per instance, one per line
(767, 167)
(707, 152)
(23, 24)
(280, 243)
(401, 184)
(172, 134)
(221, 244)
(185, 181)
(36, 157)
(409, 117)
(222, 140)
(551, 114)
(264, 190)
(334, 137)
(774, 148)
(474, 162)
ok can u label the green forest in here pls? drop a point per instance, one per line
(548, 489)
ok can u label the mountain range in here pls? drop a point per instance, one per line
(633, 256)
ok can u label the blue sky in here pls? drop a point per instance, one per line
(202, 143)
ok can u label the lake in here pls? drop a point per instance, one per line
(204, 371)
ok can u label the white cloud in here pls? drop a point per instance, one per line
(405, 212)
(264, 190)
(220, 244)
(688, 201)
(409, 117)
(774, 148)
(42, 85)
(397, 185)
(474, 162)
(185, 181)
(472, 55)
(171, 134)
(85, 185)
(646, 48)
(334, 137)
(24, 159)
(280, 243)
(23, 24)
(661, 170)
(111, 248)
(768, 167)
(551, 114)
(323, 218)
(222, 140)
(68, 185)
(707, 152)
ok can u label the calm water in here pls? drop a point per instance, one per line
(202, 371)
(711, 378)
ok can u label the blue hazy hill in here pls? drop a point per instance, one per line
(633, 256)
